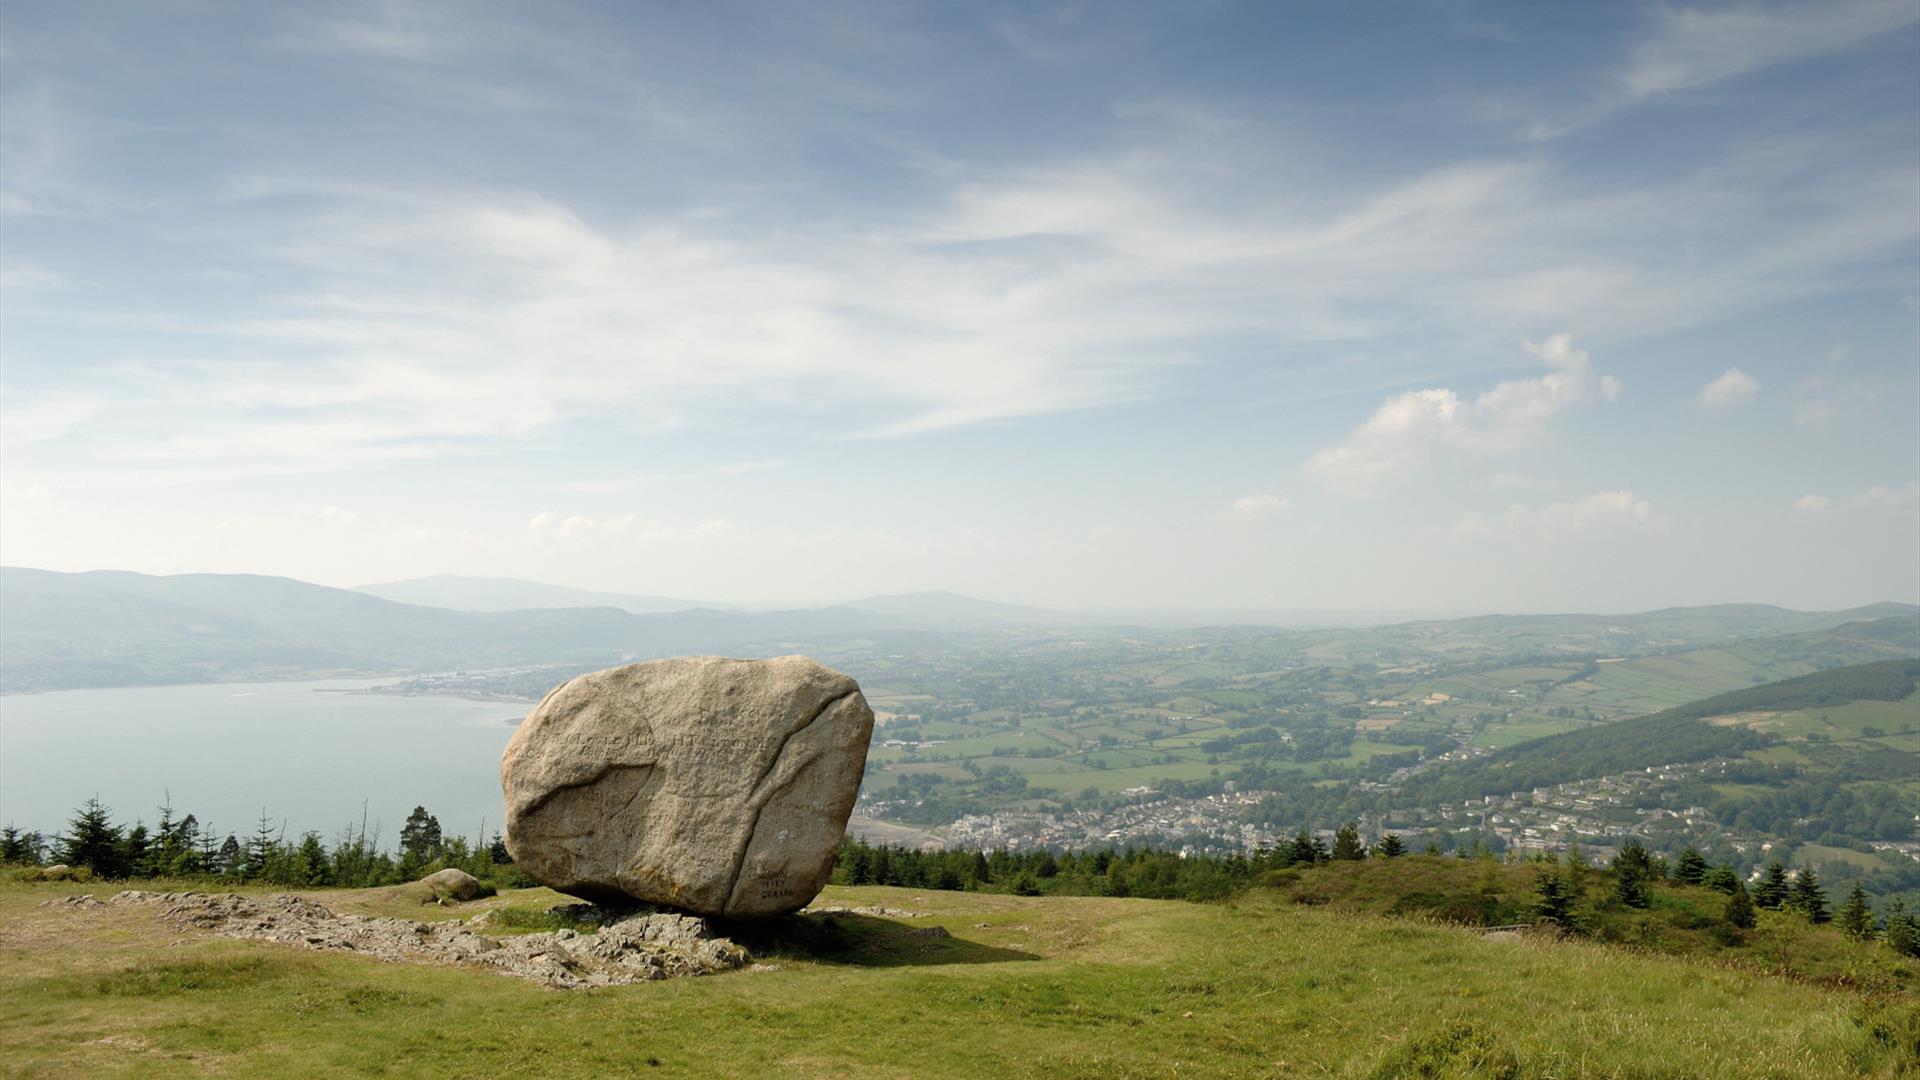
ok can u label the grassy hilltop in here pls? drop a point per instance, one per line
(1277, 983)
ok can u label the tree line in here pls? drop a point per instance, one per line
(182, 846)
(1573, 895)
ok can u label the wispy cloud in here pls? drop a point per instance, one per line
(551, 526)
(387, 29)
(1823, 400)
(1686, 48)
(1604, 512)
(1883, 497)
(1259, 506)
(1692, 47)
(438, 321)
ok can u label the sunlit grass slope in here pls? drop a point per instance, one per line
(1040, 987)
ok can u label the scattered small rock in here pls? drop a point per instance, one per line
(878, 911)
(639, 947)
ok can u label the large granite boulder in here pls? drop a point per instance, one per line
(715, 786)
(454, 884)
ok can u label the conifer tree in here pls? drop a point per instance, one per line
(13, 846)
(420, 837)
(1690, 868)
(1721, 879)
(310, 865)
(1807, 899)
(1390, 847)
(1346, 843)
(93, 841)
(136, 851)
(1739, 910)
(186, 847)
(231, 860)
(1554, 900)
(1856, 919)
(259, 848)
(1631, 868)
(166, 851)
(207, 858)
(1772, 890)
(1304, 849)
(1902, 932)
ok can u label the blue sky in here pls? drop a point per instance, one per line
(1442, 307)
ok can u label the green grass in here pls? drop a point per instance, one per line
(1822, 855)
(1042, 987)
(1496, 736)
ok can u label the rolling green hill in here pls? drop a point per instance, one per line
(943, 985)
(1675, 735)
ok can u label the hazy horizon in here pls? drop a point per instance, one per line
(1354, 616)
(1512, 309)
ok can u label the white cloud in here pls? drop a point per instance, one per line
(551, 526)
(1602, 513)
(1882, 497)
(627, 528)
(1811, 505)
(1259, 506)
(1406, 431)
(449, 322)
(1735, 387)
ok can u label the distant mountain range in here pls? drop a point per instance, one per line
(456, 593)
(116, 628)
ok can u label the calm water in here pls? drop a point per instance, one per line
(305, 751)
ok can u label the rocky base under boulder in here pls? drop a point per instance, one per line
(629, 947)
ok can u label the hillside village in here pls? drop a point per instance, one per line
(1593, 815)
